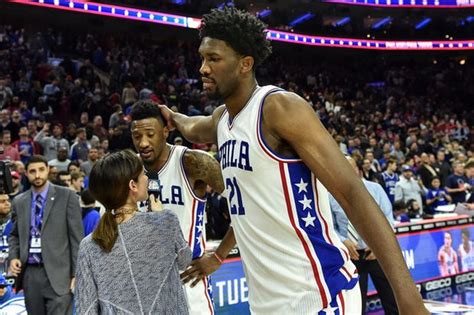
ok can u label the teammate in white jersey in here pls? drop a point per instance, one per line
(184, 175)
(277, 161)
(466, 251)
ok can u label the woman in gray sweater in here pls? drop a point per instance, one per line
(131, 263)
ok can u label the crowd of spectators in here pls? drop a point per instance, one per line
(67, 96)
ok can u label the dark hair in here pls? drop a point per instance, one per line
(392, 161)
(75, 163)
(466, 232)
(146, 109)
(87, 197)
(399, 205)
(469, 164)
(77, 175)
(117, 169)
(242, 31)
(36, 159)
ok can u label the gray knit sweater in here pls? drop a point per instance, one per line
(141, 273)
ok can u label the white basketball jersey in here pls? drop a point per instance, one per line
(293, 260)
(177, 195)
(467, 258)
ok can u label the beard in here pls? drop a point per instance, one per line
(38, 183)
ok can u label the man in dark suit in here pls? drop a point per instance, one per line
(44, 242)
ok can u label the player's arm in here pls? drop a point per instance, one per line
(289, 119)
(201, 168)
(196, 129)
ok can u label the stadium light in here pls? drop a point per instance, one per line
(423, 23)
(301, 19)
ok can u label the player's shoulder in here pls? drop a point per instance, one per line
(281, 102)
(193, 158)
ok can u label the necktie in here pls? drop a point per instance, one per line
(352, 234)
(38, 207)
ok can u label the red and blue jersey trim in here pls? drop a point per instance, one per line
(307, 220)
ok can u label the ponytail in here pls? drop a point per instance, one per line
(106, 232)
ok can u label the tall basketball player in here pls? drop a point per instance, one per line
(184, 175)
(277, 160)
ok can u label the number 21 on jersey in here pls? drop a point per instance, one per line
(235, 197)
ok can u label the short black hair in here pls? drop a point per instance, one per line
(36, 159)
(87, 197)
(146, 109)
(62, 173)
(242, 31)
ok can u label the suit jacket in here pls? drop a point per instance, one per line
(61, 233)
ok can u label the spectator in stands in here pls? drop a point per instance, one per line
(25, 146)
(390, 179)
(74, 166)
(409, 188)
(53, 173)
(442, 167)
(77, 182)
(99, 130)
(458, 184)
(436, 196)
(16, 185)
(469, 168)
(4, 119)
(43, 250)
(368, 173)
(32, 126)
(100, 288)
(426, 171)
(80, 148)
(7, 151)
(129, 95)
(400, 211)
(5, 93)
(15, 125)
(414, 209)
(116, 116)
(86, 166)
(84, 120)
(51, 143)
(90, 212)
(62, 161)
(65, 178)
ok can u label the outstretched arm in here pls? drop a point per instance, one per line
(288, 118)
(196, 129)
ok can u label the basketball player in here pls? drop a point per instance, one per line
(447, 257)
(184, 175)
(466, 251)
(277, 160)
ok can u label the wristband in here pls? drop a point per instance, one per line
(218, 258)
